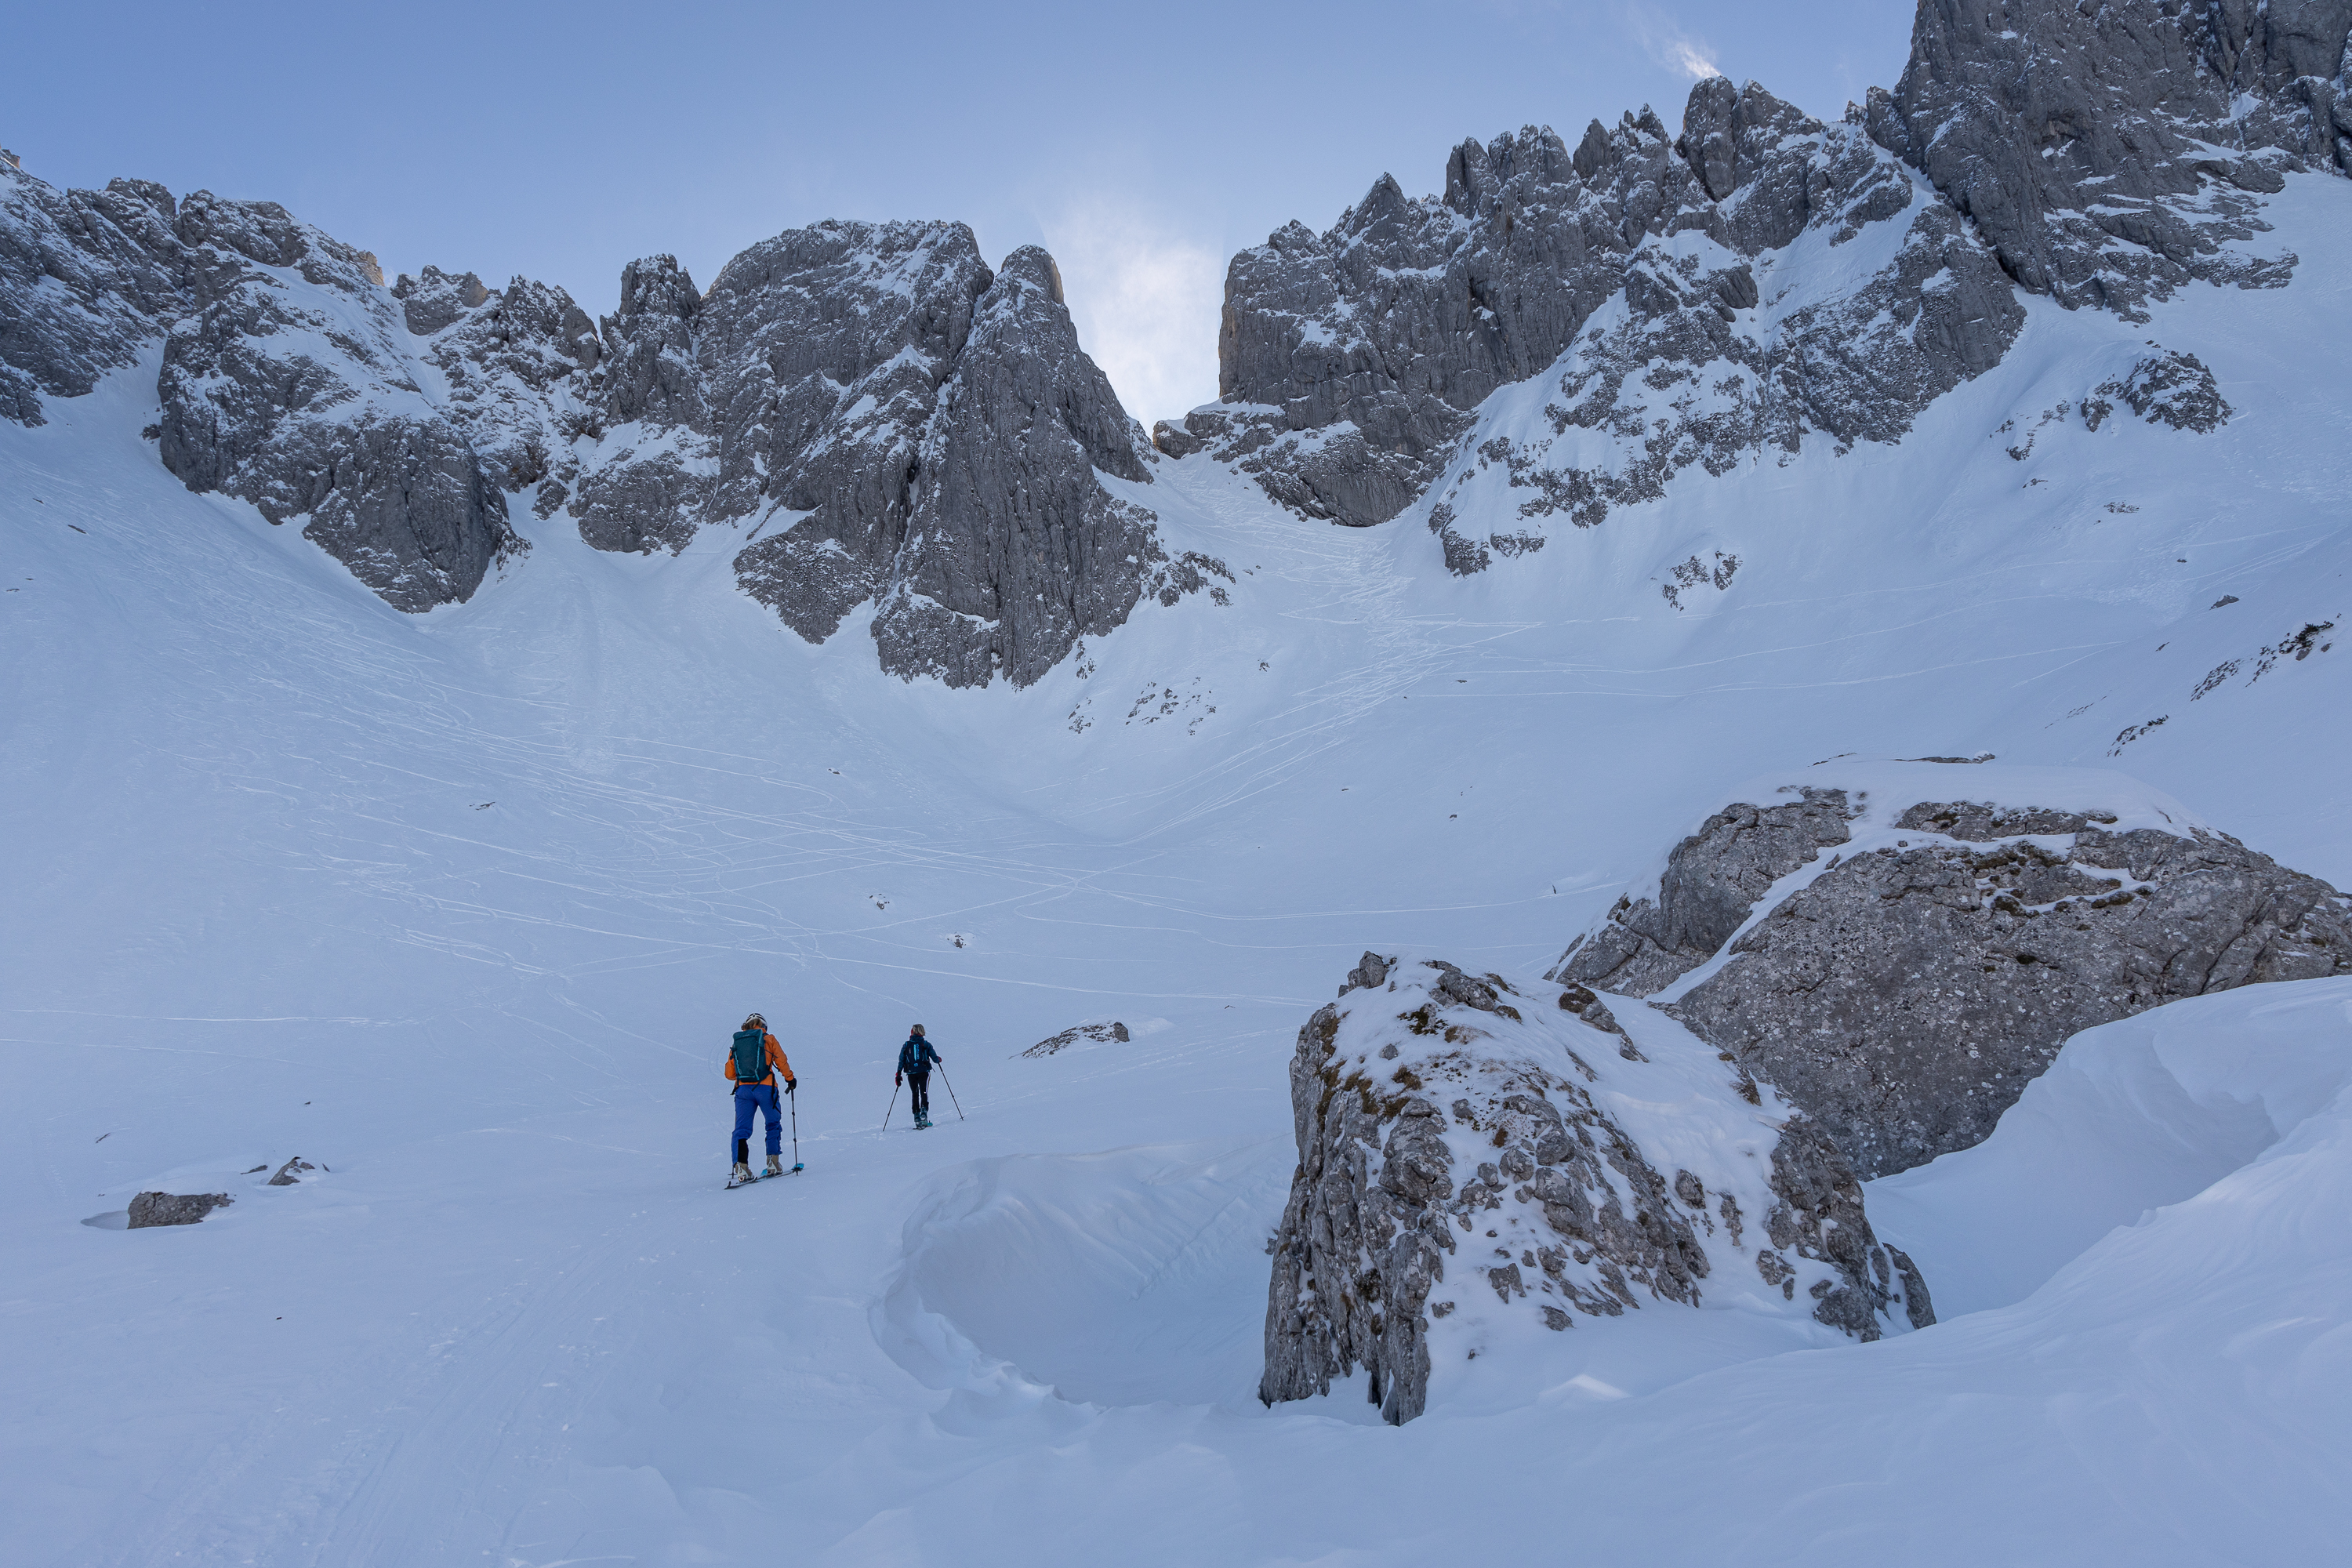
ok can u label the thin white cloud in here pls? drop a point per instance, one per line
(1688, 58)
(1669, 45)
(1147, 300)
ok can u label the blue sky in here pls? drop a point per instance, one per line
(1143, 145)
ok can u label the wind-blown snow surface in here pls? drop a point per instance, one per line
(462, 906)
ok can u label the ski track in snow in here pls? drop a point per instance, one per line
(463, 906)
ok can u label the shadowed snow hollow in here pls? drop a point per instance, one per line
(2132, 1117)
(1125, 1278)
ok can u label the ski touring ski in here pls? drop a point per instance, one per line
(756, 1177)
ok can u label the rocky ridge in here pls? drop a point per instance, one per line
(887, 420)
(1665, 279)
(1901, 953)
(921, 433)
(1480, 1166)
(904, 426)
(1687, 292)
(2110, 154)
(285, 377)
(876, 410)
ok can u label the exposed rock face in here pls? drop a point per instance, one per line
(348, 440)
(643, 484)
(174, 1208)
(2101, 156)
(1014, 551)
(305, 403)
(513, 362)
(890, 422)
(1102, 1033)
(1351, 361)
(2108, 153)
(848, 332)
(1937, 954)
(918, 432)
(1711, 881)
(1472, 1157)
(287, 379)
(85, 277)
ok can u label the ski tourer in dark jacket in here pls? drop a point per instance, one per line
(915, 1059)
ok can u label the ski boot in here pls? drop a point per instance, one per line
(740, 1174)
(775, 1166)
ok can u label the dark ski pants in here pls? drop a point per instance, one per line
(918, 1094)
(762, 1096)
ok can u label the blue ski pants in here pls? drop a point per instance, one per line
(762, 1096)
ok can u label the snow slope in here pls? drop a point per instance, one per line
(2134, 1116)
(462, 905)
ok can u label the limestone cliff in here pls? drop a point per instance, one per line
(1901, 950)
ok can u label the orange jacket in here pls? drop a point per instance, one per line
(776, 1063)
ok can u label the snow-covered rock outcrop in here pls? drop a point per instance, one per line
(1715, 296)
(2109, 153)
(1479, 1166)
(1725, 315)
(887, 420)
(1902, 947)
(85, 279)
(514, 364)
(288, 375)
(892, 422)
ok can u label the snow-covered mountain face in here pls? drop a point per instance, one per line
(448, 860)
(1710, 271)
(884, 421)
(906, 428)
(2110, 154)
(1715, 298)
(288, 379)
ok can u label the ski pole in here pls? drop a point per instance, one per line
(952, 1098)
(795, 1098)
(894, 1105)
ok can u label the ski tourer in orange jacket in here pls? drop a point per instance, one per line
(776, 1063)
(757, 1095)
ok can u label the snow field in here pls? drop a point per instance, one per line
(463, 905)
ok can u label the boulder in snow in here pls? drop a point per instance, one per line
(1478, 1164)
(1106, 1034)
(1902, 947)
(174, 1208)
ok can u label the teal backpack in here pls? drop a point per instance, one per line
(751, 1055)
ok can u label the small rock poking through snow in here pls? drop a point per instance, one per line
(288, 1173)
(1446, 1119)
(1104, 1034)
(173, 1208)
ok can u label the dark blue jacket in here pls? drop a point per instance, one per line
(916, 1055)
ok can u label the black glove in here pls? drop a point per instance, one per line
(898, 1079)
